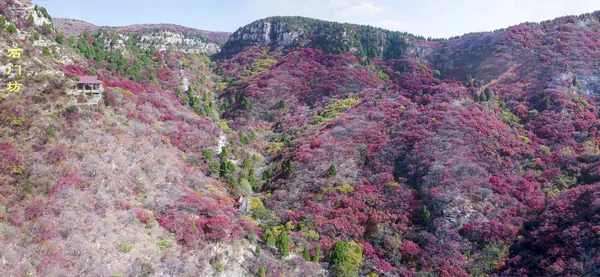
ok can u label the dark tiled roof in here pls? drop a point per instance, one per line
(89, 80)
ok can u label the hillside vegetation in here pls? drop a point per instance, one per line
(358, 151)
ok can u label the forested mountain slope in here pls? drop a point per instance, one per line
(358, 151)
(447, 156)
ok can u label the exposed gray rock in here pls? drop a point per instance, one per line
(266, 33)
(164, 40)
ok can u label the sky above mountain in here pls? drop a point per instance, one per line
(435, 18)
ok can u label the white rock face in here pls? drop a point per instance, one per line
(424, 52)
(120, 45)
(26, 9)
(164, 40)
(39, 19)
(588, 84)
(44, 42)
(266, 33)
(63, 53)
(221, 142)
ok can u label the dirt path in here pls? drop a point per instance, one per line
(221, 142)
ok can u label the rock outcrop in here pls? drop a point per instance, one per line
(287, 31)
(163, 40)
(266, 32)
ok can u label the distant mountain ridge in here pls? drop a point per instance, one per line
(158, 36)
(75, 27)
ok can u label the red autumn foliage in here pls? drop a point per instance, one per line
(74, 70)
(45, 235)
(35, 209)
(431, 179)
(56, 259)
(195, 220)
(126, 85)
(423, 132)
(11, 159)
(70, 180)
(143, 215)
(57, 153)
(563, 239)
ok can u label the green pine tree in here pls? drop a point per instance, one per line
(60, 38)
(34, 37)
(261, 271)
(267, 173)
(246, 165)
(46, 51)
(245, 103)
(489, 94)
(193, 225)
(233, 182)
(281, 104)
(269, 238)
(306, 254)
(547, 103)
(252, 180)
(333, 171)
(317, 255)
(11, 28)
(207, 154)
(2, 22)
(482, 97)
(425, 215)
(289, 168)
(345, 259)
(338, 254)
(224, 152)
(214, 167)
(283, 243)
(227, 167)
(252, 235)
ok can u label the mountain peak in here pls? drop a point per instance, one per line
(334, 37)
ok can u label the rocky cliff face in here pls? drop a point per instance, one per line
(266, 33)
(188, 43)
(329, 36)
